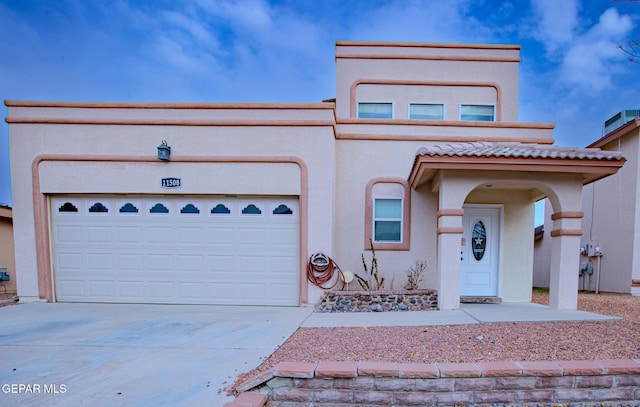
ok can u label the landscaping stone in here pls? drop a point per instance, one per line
(378, 301)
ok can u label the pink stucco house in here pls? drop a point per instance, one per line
(421, 151)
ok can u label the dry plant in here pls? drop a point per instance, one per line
(415, 274)
(373, 281)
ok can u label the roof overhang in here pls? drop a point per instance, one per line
(6, 213)
(592, 164)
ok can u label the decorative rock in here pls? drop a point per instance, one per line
(375, 308)
(378, 301)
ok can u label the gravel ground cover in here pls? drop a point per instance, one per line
(475, 343)
(7, 299)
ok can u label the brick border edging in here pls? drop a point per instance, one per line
(509, 370)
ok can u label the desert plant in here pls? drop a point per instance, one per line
(373, 281)
(415, 274)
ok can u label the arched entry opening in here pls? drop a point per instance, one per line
(512, 176)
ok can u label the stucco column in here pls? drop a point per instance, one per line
(565, 257)
(449, 234)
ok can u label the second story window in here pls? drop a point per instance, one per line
(483, 113)
(375, 110)
(426, 111)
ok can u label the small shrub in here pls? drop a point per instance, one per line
(415, 274)
(373, 281)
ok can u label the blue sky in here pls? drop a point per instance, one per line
(571, 74)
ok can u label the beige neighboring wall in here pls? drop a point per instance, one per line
(7, 253)
(612, 215)
(611, 220)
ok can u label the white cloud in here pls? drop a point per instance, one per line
(412, 21)
(556, 24)
(196, 29)
(593, 58)
(251, 14)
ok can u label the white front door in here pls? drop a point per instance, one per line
(480, 251)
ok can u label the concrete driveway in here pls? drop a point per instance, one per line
(65, 354)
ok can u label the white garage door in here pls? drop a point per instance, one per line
(176, 250)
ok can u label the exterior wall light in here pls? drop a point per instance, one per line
(164, 151)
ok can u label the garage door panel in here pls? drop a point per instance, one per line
(70, 261)
(100, 289)
(176, 250)
(161, 290)
(100, 261)
(159, 235)
(221, 264)
(160, 262)
(129, 234)
(280, 292)
(68, 234)
(251, 264)
(252, 236)
(130, 262)
(283, 266)
(131, 290)
(99, 234)
(192, 291)
(221, 238)
(71, 289)
(189, 235)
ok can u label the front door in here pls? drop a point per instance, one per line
(480, 251)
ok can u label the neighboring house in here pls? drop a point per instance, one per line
(7, 259)
(420, 151)
(611, 216)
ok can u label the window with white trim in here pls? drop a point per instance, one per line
(483, 113)
(423, 111)
(375, 110)
(387, 220)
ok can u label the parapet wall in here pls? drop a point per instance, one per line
(340, 384)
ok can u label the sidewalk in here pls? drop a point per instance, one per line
(467, 314)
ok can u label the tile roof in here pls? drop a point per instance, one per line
(517, 150)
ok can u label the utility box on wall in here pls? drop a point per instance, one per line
(591, 250)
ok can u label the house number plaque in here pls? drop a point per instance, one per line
(170, 182)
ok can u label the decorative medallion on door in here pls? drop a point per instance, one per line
(479, 240)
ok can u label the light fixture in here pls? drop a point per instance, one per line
(164, 151)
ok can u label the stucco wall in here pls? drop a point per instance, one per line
(612, 219)
(358, 162)
(482, 65)
(121, 137)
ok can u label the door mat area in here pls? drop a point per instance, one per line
(480, 300)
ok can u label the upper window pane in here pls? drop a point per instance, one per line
(388, 209)
(375, 110)
(483, 113)
(426, 112)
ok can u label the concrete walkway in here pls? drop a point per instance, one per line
(467, 314)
